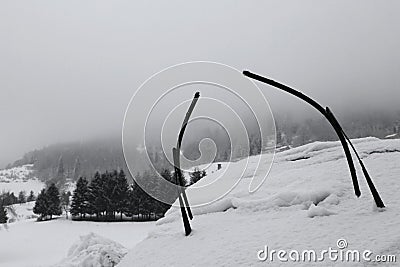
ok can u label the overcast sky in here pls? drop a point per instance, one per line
(69, 68)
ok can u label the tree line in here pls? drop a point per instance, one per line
(109, 195)
(8, 198)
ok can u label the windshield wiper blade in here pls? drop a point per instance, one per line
(338, 129)
(183, 201)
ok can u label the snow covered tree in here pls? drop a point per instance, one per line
(21, 197)
(54, 202)
(41, 204)
(31, 197)
(80, 198)
(3, 213)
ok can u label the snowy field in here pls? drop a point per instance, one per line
(31, 243)
(306, 203)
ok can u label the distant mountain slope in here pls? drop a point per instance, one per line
(77, 159)
(18, 179)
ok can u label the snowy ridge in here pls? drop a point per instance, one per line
(19, 179)
(16, 173)
(303, 204)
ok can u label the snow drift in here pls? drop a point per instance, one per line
(93, 250)
(306, 202)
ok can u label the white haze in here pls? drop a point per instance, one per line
(69, 68)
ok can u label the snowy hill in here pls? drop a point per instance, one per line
(20, 212)
(18, 179)
(306, 203)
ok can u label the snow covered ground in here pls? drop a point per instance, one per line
(306, 203)
(28, 243)
(60, 242)
(19, 179)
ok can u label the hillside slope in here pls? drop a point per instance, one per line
(307, 202)
(18, 179)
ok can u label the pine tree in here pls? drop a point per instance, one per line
(21, 197)
(121, 193)
(13, 199)
(109, 193)
(138, 200)
(132, 202)
(54, 202)
(3, 213)
(31, 197)
(9, 198)
(80, 198)
(41, 204)
(97, 199)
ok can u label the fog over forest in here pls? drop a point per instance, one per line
(69, 69)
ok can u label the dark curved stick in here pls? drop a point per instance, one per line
(178, 174)
(186, 120)
(178, 147)
(185, 219)
(339, 131)
(372, 188)
(317, 106)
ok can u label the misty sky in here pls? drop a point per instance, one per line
(69, 68)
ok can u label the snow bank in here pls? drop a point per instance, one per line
(218, 206)
(279, 200)
(229, 232)
(322, 148)
(93, 250)
(314, 211)
(283, 199)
